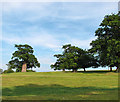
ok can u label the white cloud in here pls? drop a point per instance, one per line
(12, 6)
(82, 43)
(46, 40)
(42, 39)
(67, 11)
(11, 40)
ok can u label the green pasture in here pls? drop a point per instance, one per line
(98, 85)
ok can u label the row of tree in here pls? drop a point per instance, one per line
(105, 51)
(74, 58)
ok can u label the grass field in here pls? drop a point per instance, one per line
(60, 86)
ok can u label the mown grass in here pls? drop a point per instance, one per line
(60, 86)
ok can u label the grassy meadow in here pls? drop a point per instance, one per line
(101, 85)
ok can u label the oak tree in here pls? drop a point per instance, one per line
(107, 44)
(23, 58)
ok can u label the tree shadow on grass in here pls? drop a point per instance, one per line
(92, 71)
(58, 92)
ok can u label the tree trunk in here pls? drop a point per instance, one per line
(118, 69)
(24, 67)
(84, 69)
(74, 70)
(63, 70)
(110, 69)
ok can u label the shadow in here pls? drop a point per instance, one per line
(91, 71)
(94, 71)
(58, 92)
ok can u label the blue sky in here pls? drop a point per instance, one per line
(49, 25)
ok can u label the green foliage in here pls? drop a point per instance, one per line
(30, 71)
(8, 71)
(107, 44)
(19, 69)
(74, 58)
(1, 71)
(24, 54)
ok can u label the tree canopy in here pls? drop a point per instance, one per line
(23, 55)
(107, 44)
(74, 58)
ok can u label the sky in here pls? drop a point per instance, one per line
(46, 26)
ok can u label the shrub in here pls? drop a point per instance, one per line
(30, 71)
(8, 71)
(1, 71)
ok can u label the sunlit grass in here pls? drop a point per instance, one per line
(60, 86)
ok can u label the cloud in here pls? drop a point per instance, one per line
(44, 40)
(26, 6)
(58, 11)
(82, 43)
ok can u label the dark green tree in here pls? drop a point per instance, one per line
(107, 44)
(23, 58)
(71, 57)
(15, 64)
(88, 60)
(74, 58)
(59, 64)
(66, 60)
